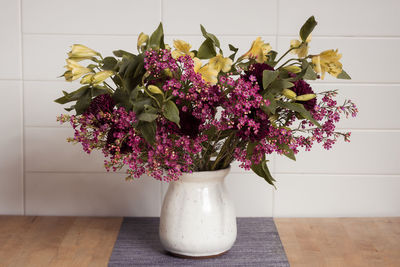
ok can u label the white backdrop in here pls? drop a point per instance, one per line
(40, 174)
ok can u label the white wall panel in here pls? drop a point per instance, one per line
(10, 40)
(368, 153)
(309, 195)
(341, 17)
(91, 194)
(11, 159)
(90, 16)
(255, 17)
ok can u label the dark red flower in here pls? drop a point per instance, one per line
(257, 71)
(302, 88)
(102, 103)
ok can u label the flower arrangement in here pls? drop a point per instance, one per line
(164, 110)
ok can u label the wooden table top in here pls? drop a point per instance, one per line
(88, 241)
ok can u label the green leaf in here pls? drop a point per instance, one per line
(157, 38)
(210, 35)
(121, 53)
(73, 96)
(83, 102)
(288, 152)
(262, 170)
(310, 74)
(250, 148)
(109, 63)
(147, 117)
(139, 105)
(234, 50)
(268, 77)
(271, 108)
(344, 75)
(307, 28)
(207, 50)
(171, 112)
(299, 108)
(121, 97)
(148, 130)
(281, 84)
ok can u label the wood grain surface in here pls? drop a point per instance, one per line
(88, 241)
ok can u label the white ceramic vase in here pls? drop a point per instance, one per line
(198, 217)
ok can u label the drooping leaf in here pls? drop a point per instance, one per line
(262, 170)
(171, 112)
(344, 75)
(268, 77)
(207, 50)
(307, 28)
(299, 108)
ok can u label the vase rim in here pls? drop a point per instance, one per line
(201, 176)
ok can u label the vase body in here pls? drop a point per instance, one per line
(197, 216)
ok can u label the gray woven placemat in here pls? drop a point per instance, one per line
(257, 244)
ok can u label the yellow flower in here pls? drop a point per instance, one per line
(302, 51)
(328, 61)
(258, 50)
(87, 79)
(80, 52)
(101, 76)
(141, 40)
(74, 70)
(292, 68)
(181, 48)
(289, 93)
(208, 72)
(221, 63)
